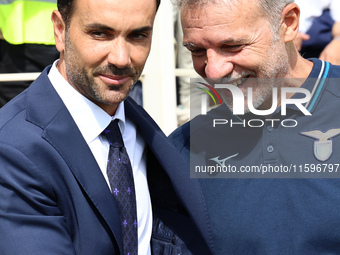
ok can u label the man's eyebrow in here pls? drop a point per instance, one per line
(107, 28)
(99, 26)
(142, 29)
(227, 41)
(233, 41)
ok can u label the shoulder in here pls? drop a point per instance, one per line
(196, 127)
(334, 71)
(181, 136)
(333, 80)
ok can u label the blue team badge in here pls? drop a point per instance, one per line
(323, 147)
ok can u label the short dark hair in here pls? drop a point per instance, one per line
(66, 8)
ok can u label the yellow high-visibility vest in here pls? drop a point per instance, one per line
(23, 21)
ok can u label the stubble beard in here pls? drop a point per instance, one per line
(86, 84)
(275, 67)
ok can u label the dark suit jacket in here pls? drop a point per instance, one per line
(320, 34)
(53, 196)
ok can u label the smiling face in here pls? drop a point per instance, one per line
(233, 43)
(104, 50)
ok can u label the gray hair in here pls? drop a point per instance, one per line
(271, 8)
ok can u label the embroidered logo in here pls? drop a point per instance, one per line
(221, 162)
(323, 147)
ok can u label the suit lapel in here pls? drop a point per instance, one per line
(63, 134)
(187, 189)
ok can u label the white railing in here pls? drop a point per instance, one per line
(18, 76)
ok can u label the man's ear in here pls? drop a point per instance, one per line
(290, 22)
(59, 30)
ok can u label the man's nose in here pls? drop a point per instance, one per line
(217, 65)
(120, 53)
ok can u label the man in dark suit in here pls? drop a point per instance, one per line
(55, 194)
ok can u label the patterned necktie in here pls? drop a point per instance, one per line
(120, 176)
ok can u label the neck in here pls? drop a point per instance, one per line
(298, 66)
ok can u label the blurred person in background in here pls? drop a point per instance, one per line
(319, 31)
(26, 41)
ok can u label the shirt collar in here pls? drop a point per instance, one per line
(315, 84)
(90, 118)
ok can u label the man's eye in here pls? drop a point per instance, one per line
(99, 34)
(138, 36)
(197, 52)
(233, 48)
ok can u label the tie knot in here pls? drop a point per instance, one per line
(113, 135)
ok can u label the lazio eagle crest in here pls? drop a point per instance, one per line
(323, 147)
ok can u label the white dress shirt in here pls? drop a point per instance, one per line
(91, 121)
(311, 9)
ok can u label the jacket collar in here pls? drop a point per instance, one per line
(46, 110)
(187, 189)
